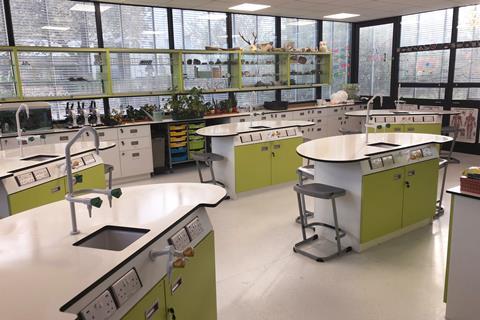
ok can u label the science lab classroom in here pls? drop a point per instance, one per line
(222, 160)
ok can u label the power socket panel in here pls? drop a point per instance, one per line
(103, 307)
(180, 240)
(194, 228)
(126, 287)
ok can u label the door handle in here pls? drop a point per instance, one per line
(410, 129)
(134, 143)
(151, 312)
(273, 154)
(133, 131)
(276, 146)
(411, 173)
(56, 189)
(263, 149)
(407, 184)
(397, 176)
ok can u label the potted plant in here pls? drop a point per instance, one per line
(189, 106)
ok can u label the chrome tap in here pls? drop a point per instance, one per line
(21, 107)
(367, 119)
(72, 196)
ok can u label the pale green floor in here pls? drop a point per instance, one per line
(260, 278)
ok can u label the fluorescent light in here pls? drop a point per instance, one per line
(250, 7)
(55, 28)
(88, 7)
(302, 23)
(153, 32)
(340, 16)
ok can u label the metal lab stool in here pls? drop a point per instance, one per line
(108, 169)
(447, 131)
(305, 173)
(319, 191)
(208, 158)
(443, 164)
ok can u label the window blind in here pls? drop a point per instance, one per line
(424, 66)
(466, 93)
(3, 28)
(338, 36)
(7, 80)
(262, 26)
(134, 26)
(469, 23)
(375, 59)
(197, 29)
(254, 98)
(467, 65)
(426, 28)
(54, 23)
(423, 93)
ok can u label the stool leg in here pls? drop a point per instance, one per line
(337, 231)
(301, 208)
(440, 209)
(199, 170)
(210, 164)
(308, 214)
(110, 179)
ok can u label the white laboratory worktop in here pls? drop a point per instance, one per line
(41, 269)
(352, 148)
(393, 112)
(233, 129)
(11, 159)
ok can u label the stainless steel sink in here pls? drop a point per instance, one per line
(384, 145)
(40, 157)
(113, 238)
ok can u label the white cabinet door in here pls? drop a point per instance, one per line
(108, 134)
(9, 143)
(112, 157)
(136, 162)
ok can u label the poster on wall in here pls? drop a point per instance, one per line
(467, 121)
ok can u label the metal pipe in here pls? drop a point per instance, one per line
(367, 120)
(21, 107)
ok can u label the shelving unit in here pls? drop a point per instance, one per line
(182, 140)
(47, 73)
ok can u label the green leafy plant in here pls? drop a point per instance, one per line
(189, 106)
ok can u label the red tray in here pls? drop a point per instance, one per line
(469, 185)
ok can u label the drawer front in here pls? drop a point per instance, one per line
(134, 144)
(108, 134)
(300, 115)
(136, 162)
(134, 132)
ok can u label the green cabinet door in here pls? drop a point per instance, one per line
(382, 197)
(393, 128)
(285, 160)
(420, 193)
(253, 166)
(37, 196)
(92, 178)
(151, 307)
(192, 293)
(431, 128)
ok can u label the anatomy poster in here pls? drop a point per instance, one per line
(467, 121)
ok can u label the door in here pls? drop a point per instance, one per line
(191, 294)
(136, 162)
(420, 195)
(382, 199)
(37, 196)
(151, 307)
(253, 168)
(285, 160)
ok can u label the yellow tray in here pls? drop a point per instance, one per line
(178, 127)
(178, 133)
(178, 144)
(178, 139)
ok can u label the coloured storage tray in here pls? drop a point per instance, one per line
(193, 145)
(196, 125)
(195, 138)
(178, 139)
(180, 158)
(178, 144)
(178, 150)
(178, 133)
(178, 127)
(192, 132)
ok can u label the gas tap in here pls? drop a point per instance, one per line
(176, 258)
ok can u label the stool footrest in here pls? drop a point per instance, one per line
(308, 214)
(297, 249)
(341, 233)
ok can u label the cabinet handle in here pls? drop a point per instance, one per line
(63, 138)
(56, 189)
(302, 113)
(151, 312)
(283, 115)
(397, 129)
(135, 155)
(397, 176)
(134, 143)
(123, 153)
(407, 184)
(87, 134)
(273, 154)
(121, 130)
(263, 149)
(411, 173)
(264, 118)
(242, 120)
(133, 130)
(276, 146)
(171, 313)
(101, 134)
(123, 143)
(410, 129)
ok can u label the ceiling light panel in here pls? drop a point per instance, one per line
(249, 7)
(341, 16)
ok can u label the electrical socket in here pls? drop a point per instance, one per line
(194, 228)
(180, 240)
(100, 308)
(126, 287)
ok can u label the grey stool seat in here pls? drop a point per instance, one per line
(108, 169)
(347, 131)
(208, 158)
(319, 191)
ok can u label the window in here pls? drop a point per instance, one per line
(254, 98)
(198, 29)
(300, 33)
(422, 93)
(3, 28)
(467, 67)
(466, 93)
(375, 59)
(7, 81)
(426, 28)
(134, 26)
(468, 23)
(54, 23)
(338, 36)
(263, 27)
(425, 66)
